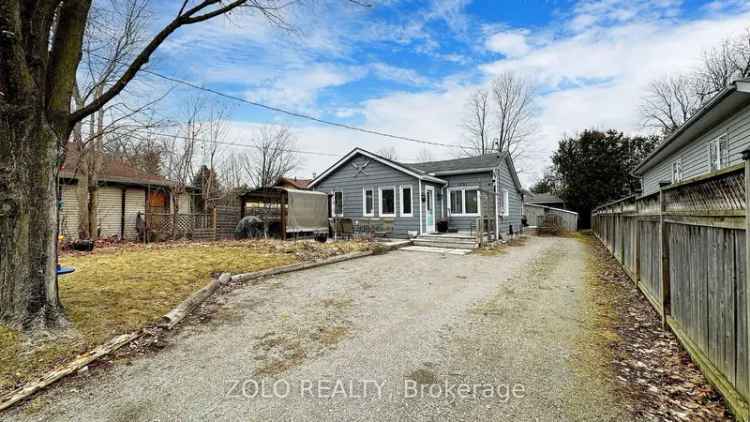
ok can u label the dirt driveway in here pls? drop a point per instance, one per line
(401, 336)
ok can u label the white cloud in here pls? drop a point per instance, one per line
(299, 88)
(509, 43)
(397, 74)
(596, 77)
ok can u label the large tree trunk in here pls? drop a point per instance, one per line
(28, 221)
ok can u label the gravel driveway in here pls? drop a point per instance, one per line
(401, 336)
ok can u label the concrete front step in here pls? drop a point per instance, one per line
(449, 237)
(445, 244)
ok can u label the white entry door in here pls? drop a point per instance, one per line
(430, 209)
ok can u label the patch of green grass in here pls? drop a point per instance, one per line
(119, 290)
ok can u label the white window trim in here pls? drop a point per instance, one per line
(716, 143)
(380, 200)
(463, 190)
(401, 199)
(333, 199)
(678, 164)
(364, 202)
(506, 203)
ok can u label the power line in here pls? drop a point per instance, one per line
(235, 144)
(287, 112)
(297, 114)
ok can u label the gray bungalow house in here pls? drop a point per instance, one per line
(712, 140)
(415, 196)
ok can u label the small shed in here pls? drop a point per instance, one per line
(287, 211)
(536, 215)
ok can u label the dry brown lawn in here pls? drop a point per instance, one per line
(116, 290)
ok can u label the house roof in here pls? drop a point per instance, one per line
(404, 168)
(543, 198)
(114, 171)
(296, 183)
(463, 165)
(431, 170)
(735, 96)
(551, 208)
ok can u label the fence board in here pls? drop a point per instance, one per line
(705, 240)
(741, 310)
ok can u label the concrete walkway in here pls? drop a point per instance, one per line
(402, 336)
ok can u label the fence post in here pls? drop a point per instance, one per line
(746, 287)
(214, 221)
(637, 244)
(664, 247)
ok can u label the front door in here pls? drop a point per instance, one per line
(430, 208)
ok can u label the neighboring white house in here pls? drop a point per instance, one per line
(711, 140)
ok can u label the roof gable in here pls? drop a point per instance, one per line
(403, 168)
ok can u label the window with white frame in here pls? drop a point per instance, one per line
(506, 203)
(388, 202)
(464, 201)
(718, 153)
(368, 202)
(406, 201)
(676, 170)
(338, 204)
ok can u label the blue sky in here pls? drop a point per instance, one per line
(408, 67)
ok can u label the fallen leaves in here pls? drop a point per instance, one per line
(654, 373)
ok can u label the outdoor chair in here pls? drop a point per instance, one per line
(346, 228)
(384, 229)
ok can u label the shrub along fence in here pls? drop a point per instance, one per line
(685, 248)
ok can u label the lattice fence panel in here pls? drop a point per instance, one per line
(724, 192)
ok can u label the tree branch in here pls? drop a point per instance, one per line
(64, 58)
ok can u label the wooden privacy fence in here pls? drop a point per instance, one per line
(217, 224)
(685, 248)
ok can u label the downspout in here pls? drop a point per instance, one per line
(497, 208)
(420, 206)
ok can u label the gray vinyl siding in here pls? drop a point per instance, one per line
(346, 179)
(694, 156)
(484, 181)
(481, 180)
(515, 200)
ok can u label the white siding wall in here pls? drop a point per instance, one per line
(69, 215)
(135, 202)
(109, 209)
(694, 156)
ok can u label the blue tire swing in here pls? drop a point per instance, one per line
(60, 269)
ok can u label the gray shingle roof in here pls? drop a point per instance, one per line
(478, 162)
(543, 198)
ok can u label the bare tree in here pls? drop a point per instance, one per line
(41, 44)
(232, 172)
(273, 156)
(722, 65)
(207, 180)
(669, 103)
(424, 155)
(113, 35)
(389, 153)
(477, 124)
(513, 97)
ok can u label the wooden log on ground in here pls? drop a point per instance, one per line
(297, 267)
(30, 389)
(177, 314)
